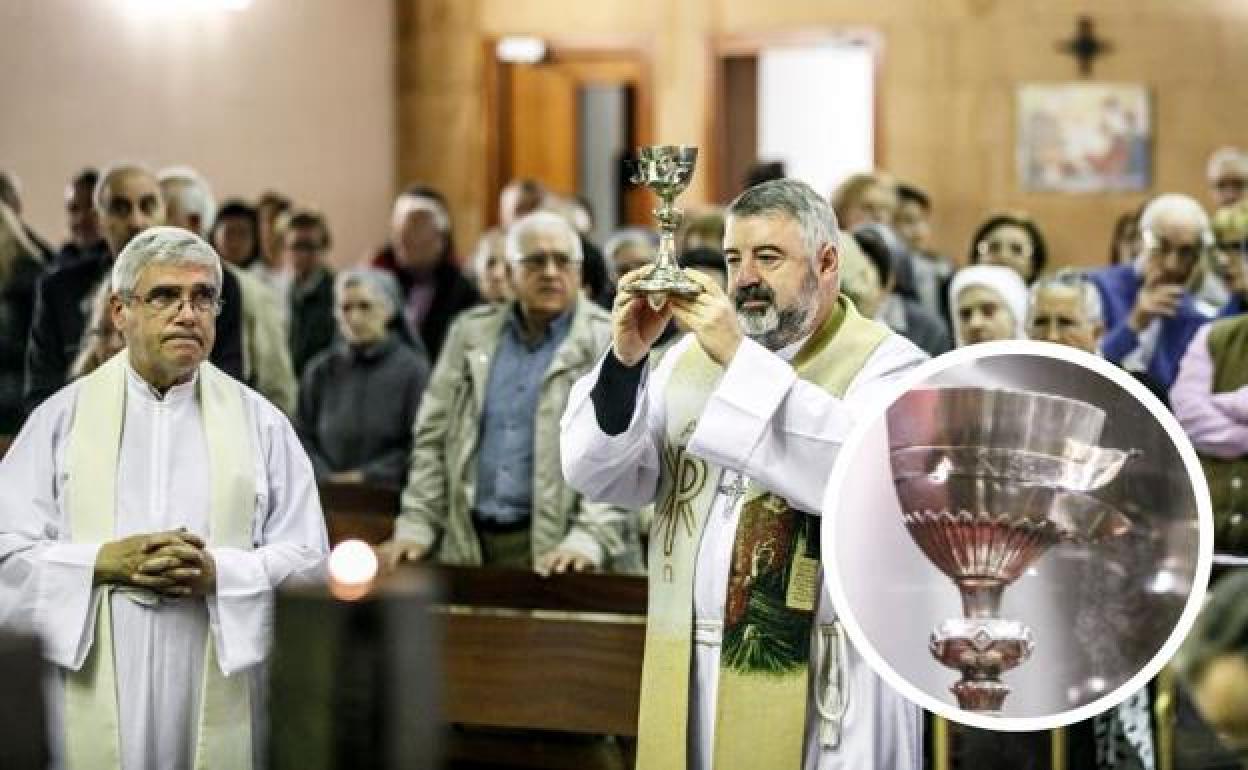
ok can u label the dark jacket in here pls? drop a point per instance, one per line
(452, 293)
(17, 307)
(312, 325)
(357, 408)
(62, 304)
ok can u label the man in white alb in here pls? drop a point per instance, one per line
(733, 435)
(147, 513)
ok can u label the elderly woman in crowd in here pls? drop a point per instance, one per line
(1013, 241)
(989, 303)
(358, 399)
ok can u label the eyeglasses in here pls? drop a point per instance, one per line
(1011, 248)
(1230, 183)
(167, 300)
(1187, 252)
(538, 260)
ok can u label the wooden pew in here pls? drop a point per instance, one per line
(5, 442)
(358, 511)
(523, 654)
(536, 670)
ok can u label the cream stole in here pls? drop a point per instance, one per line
(760, 714)
(223, 737)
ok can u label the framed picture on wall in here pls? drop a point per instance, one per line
(1084, 137)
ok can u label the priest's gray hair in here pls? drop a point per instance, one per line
(112, 172)
(796, 200)
(166, 246)
(192, 191)
(546, 222)
(379, 282)
(1073, 280)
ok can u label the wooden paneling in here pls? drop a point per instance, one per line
(950, 69)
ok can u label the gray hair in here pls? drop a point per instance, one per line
(1176, 204)
(1074, 280)
(166, 246)
(379, 282)
(112, 172)
(407, 203)
(192, 191)
(641, 237)
(1226, 156)
(542, 221)
(796, 200)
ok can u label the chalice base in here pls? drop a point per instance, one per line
(665, 282)
(981, 648)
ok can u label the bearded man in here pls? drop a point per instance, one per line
(733, 435)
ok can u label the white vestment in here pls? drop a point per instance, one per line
(764, 423)
(162, 484)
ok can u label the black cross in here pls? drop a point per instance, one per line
(1085, 45)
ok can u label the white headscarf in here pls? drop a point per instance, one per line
(1004, 281)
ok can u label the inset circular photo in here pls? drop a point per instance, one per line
(1021, 539)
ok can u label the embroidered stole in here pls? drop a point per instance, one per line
(92, 727)
(772, 585)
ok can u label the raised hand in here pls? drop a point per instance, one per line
(712, 318)
(635, 325)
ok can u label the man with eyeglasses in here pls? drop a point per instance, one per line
(129, 201)
(305, 239)
(1150, 313)
(484, 484)
(1065, 309)
(148, 511)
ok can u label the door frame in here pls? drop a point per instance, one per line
(731, 45)
(587, 48)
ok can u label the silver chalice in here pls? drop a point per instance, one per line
(988, 481)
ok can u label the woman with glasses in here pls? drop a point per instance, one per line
(1013, 241)
(358, 399)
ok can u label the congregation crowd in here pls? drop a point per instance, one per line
(443, 374)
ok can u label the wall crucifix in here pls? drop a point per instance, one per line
(1085, 46)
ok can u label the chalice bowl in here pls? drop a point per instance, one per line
(988, 481)
(665, 169)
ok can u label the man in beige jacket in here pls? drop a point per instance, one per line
(484, 485)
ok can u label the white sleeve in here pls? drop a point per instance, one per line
(45, 581)
(621, 469)
(784, 432)
(290, 543)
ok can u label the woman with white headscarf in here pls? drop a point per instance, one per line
(989, 303)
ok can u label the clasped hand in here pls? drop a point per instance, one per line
(173, 563)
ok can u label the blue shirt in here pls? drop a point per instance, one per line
(508, 423)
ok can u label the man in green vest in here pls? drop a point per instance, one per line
(148, 512)
(1210, 399)
(733, 435)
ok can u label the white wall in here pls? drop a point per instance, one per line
(816, 111)
(295, 95)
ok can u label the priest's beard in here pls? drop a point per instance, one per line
(777, 327)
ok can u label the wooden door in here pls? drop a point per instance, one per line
(534, 118)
